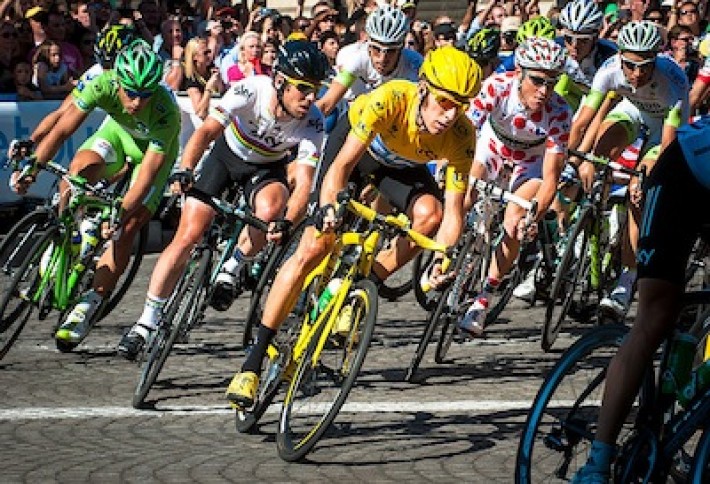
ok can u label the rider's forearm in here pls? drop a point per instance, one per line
(297, 203)
(451, 226)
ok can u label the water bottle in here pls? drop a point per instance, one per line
(89, 229)
(680, 363)
(75, 242)
(325, 298)
(698, 382)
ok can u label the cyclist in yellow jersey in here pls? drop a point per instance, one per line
(388, 137)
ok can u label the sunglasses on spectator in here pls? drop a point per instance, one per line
(329, 18)
(304, 87)
(446, 37)
(137, 94)
(379, 49)
(654, 19)
(7, 35)
(685, 39)
(447, 100)
(688, 12)
(539, 81)
(578, 39)
(640, 65)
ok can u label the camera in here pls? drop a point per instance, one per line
(266, 12)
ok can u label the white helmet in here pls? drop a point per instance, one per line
(640, 37)
(387, 25)
(581, 16)
(540, 53)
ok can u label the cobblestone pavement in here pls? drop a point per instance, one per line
(68, 417)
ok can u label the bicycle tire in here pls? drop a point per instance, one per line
(566, 280)
(258, 296)
(432, 323)
(126, 279)
(469, 288)
(177, 320)
(297, 432)
(572, 412)
(12, 322)
(505, 294)
(22, 236)
(426, 300)
(700, 467)
(393, 291)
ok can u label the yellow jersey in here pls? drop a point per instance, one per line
(386, 120)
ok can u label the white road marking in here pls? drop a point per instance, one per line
(62, 413)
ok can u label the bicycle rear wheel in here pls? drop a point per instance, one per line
(180, 313)
(16, 244)
(561, 424)
(323, 381)
(566, 285)
(18, 291)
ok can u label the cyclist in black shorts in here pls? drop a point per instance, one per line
(680, 179)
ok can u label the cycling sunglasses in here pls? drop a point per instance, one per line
(578, 39)
(304, 87)
(380, 49)
(447, 100)
(640, 65)
(134, 94)
(539, 81)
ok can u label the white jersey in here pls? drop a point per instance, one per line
(253, 133)
(354, 60)
(581, 73)
(668, 85)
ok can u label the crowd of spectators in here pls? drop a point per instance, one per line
(46, 45)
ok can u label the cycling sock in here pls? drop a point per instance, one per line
(255, 357)
(152, 310)
(600, 456)
(232, 264)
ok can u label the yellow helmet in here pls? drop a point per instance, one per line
(453, 71)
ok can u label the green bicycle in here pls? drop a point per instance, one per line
(45, 264)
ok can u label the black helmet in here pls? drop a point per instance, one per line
(484, 45)
(110, 41)
(300, 59)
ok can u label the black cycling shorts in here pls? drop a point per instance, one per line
(222, 170)
(675, 214)
(399, 186)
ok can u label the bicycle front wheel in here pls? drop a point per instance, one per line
(17, 293)
(566, 283)
(562, 421)
(323, 381)
(180, 313)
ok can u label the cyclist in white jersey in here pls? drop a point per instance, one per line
(523, 123)
(655, 91)
(581, 21)
(363, 66)
(701, 86)
(257, 123)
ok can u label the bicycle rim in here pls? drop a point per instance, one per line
(16, 294)
(179, 314)
(258, 297)
(566, 283)
(269, 384)
(562, 420)
(318, 390)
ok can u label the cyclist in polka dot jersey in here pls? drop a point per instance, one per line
(523, 124)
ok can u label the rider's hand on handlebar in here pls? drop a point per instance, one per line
(326, 218)
(635, 192)
(435, 276)
(526, 230)
(586, 175)
(23, 176)
(279, 230)
(20, 149)
(181, 181)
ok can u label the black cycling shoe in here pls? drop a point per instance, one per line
(226, 290)
(131, 345)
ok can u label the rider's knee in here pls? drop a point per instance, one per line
(427, 214)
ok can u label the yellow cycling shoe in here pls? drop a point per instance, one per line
(242, 390)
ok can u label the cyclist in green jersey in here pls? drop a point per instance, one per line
(142, 129)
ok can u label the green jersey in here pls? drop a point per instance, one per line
(156, 127)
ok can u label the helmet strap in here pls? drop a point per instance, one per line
(422, 92)
(280, 95)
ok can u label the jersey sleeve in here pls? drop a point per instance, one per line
(240, 96)
(377, 111)
(165, 131)
(349, 66)
(486, 100)
(704, 74)
(461, 156)
(602, 83)
(88, 91)
(309, 148)
(560, 124)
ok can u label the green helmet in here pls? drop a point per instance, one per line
(138, 68)
(535, 27)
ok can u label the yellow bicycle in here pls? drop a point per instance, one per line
(320, 358)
